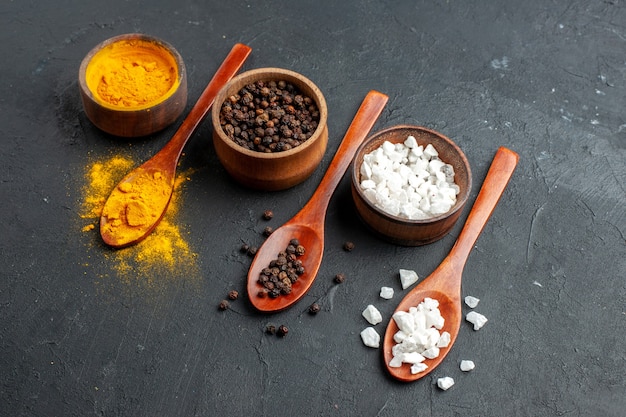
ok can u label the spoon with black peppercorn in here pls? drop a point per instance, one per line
(307, 226)
(444, 284)
(126, 221)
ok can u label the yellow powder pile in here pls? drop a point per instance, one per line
(163, 255)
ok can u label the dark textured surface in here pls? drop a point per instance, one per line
(546, 79)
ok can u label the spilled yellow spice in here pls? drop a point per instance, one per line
(164, 254)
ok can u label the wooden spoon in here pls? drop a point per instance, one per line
(308, 224)
(444, 284)
(118, 227)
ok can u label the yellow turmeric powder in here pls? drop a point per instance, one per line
(134, 207)
(132, 74)
(163, 256)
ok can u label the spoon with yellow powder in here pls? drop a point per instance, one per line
(138, 202)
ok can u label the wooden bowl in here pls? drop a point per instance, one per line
(276, 170)
(399, 230)
(141, 114)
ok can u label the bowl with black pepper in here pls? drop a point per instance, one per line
(270, 128)
(410, 184)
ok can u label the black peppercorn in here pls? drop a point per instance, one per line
(314, 308)
(339, 278)
(348, 246)
(282, 330)
(252, 250)
(270, 329)
(233, 294)
(268, 231)
(244, 248)
(268, 214)
(223, 305)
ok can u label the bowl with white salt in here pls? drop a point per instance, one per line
(410, 184)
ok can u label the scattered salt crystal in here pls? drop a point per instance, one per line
(471, 302)
(370, 337)
(386, 293)
(477, 319)
(445, 382)
(467, 365)
(407, 278)
(372, 315)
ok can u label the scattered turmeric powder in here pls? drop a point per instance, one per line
(132, 73)
(164, 255)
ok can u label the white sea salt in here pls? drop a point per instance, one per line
(471, 302)
(386, 293)
(477, 319)
(467, 365)
(445, 382)
(407, 278)
(408, 180)
(418, 337)
(372, 315)
(370, 337)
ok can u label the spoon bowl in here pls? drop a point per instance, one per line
(308, 224)
(116, 228)
(444, 284)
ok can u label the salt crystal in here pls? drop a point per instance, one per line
(471, 302)
(444, 340)
(370, 337)
(407, 278)
(431, 353)
(445, 382)
(477, 319)
(430, 151)
(405, 321)
(386, 293)
(372, 315)
(467, 366)
(416, 368)
(411, 142)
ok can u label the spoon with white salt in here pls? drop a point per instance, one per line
(444, 284)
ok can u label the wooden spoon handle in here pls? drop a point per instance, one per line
(365, 117)
(496, 181)
(231, 65)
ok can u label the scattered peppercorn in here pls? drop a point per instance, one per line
(233, 294)
(348, 246)
(268, 231)
(281, 273)
(269, 116)
(314, 308)
(339, 278)
(252, 250)
(270, 329)
(282, 330)
(223, 305)
(268, 214)
(244, 248)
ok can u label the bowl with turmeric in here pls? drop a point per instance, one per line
(270, 128)
(133, 85)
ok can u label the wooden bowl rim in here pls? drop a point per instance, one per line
(261, 74)
(171, 94)
(460, 202)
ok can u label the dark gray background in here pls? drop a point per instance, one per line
(544, 78)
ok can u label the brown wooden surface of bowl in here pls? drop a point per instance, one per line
(142, 119)
(403, 231)
(277, 170)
